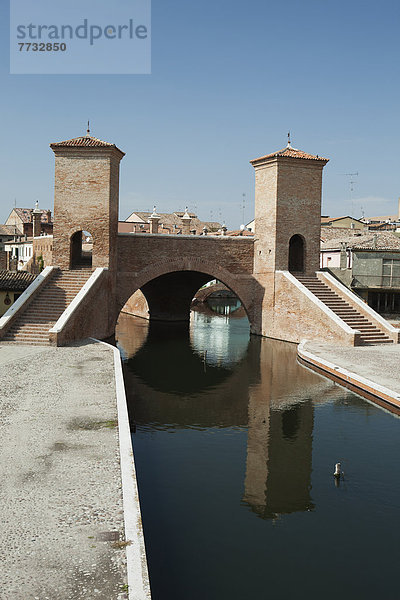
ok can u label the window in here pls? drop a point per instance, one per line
(391, 272)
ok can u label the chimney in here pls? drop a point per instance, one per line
(343, 255)
(186, 219)
(154, 220)
(48, 213)
(36, 220)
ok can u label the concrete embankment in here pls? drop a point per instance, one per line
(65, 507)
(371, 371)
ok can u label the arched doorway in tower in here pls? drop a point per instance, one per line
(81, 250)
(296, 254)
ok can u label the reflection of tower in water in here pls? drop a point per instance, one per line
(279, 446)
(253, 383)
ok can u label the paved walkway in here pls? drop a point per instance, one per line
(60, 479)
(379, 365)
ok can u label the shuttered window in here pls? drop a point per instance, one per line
(391, 272)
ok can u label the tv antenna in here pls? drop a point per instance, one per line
(351, 185)
(243, 207)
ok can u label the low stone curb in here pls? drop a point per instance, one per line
(367, 388)
(138, 577)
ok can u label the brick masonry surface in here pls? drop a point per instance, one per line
(86, 199)
(288, 202)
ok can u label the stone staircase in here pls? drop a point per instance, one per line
(34, 323)
(370, 334)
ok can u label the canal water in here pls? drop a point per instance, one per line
(235, 446)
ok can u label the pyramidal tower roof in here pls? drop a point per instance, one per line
(84, 141)
(289, 152)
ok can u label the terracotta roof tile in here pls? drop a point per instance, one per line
(290, 152)
(84, 141)
(17, 282)
(240, 232)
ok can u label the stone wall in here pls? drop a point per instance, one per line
(289, 314)
(43, 247)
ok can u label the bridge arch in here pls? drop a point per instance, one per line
(177, 280)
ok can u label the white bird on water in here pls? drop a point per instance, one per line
(338, 471)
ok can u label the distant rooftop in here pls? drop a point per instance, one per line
(171, 219)
(382, 219)
(15, 282)
(329, 220)
(7, 230)
(333, 237)
(25, 214)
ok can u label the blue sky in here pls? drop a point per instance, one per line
(229, 79)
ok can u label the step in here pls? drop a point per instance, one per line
(59, 293)
(359, 321)
(374, 334)
(58, 304)
(371, 343)
(28, 328)
(26, 342)
(50, 314)
(329, 296)
(27, 338)
(337, 304)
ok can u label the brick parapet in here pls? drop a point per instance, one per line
(138, 251)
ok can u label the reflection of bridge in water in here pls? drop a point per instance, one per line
(260, 387)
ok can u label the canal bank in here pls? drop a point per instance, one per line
(371, 371)
(63, 439)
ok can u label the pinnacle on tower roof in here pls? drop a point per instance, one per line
(290, 152)
(154, 214)
(186, 215)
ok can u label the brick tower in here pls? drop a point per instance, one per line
(86, 199)
(287, 224)
(288, 211)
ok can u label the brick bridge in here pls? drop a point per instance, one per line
(275, 274)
